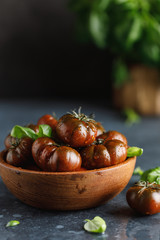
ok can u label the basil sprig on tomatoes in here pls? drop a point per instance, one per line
(20, 132)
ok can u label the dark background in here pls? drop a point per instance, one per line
(41, 58)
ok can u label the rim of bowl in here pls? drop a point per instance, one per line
(19, 169)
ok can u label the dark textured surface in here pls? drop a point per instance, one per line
(122, 222)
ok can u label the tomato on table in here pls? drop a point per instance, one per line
(144, 197)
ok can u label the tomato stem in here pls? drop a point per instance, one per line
(82, 116)
(145, 185)
(15, 143)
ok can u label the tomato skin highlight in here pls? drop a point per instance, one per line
(50, 157)
(144, 200)
(113, 135)
(100, 128)
(76, 132)
(49, 120)
(39, 145)
(65, 159)
(104, 155)
(20, 155)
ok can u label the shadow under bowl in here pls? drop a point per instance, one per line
(66, 190)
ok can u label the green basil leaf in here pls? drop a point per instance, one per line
(12, 223)
(19, 132)
(134, 151)
(157, 180)
(138, 171)
(44, 131)
(96, 225)
(151, 175)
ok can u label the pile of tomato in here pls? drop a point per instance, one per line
(77, 142)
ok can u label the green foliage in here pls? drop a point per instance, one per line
(129, 29)
(134, 151)
(120, 73)
(96, 225)
(151, 175)
(20, 132)
(12, 223)
(138, 171)
(131, 116)
(44, 131)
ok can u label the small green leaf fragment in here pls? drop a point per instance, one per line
(20, 132)
(44, 131)
(138, 171)
(134, 151)
(120, 73)
(96, 225)
(12, 223)
(131, 116)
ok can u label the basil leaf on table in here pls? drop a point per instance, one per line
(19, 132)
(12, 223)
(134, 151)
(96, 225)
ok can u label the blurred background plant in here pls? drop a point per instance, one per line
(128, 29)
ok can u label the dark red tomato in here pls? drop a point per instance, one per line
(39, 145)
(49, 120)
(49, 157)
(100, 128)
(76, 130)
(112, 135)
(9, 141)
(20, 154)
(144, 198)
(104, 155)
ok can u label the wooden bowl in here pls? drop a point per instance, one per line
(66, 190)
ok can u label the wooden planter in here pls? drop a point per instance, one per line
(141, 92)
